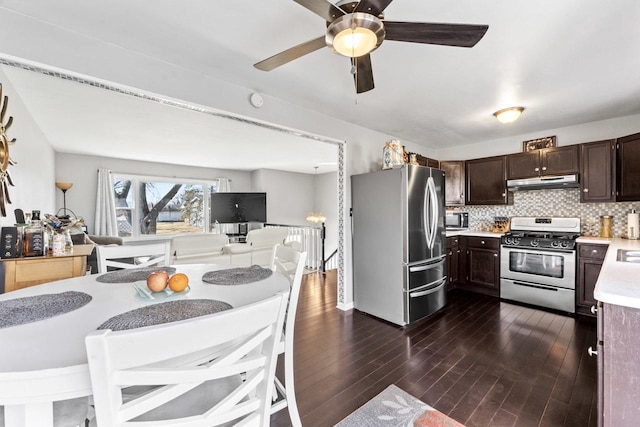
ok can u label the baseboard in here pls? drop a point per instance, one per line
(345, 307)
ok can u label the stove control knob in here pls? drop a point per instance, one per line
(535, 243)
(564, 244)
(555, 244)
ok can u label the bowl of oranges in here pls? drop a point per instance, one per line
(160, 285)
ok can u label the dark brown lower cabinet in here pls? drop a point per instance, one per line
(590, 258)
(453, 257)
(481, 264)
(618, 360)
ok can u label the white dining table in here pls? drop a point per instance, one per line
(52, 351)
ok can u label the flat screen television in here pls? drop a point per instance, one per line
(238, 207)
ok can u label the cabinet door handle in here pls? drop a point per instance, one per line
(536, 169)
(544, 168)
(482, 242)
(594, 251)
(504, 194)
(586, 190)
(495, 255)
(450, 253)
(592, 352)
(594, 309)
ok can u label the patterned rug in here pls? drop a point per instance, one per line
(395, 407)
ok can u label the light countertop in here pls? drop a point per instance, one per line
(618, 282)
(452, 233)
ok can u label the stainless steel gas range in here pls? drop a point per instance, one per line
(538, 262)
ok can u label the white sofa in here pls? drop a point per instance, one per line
(216, 249)
(201, 248)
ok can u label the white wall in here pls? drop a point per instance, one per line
(326, 200)
(34, 174)
(290, 195)
(587, 132)
(83, 172)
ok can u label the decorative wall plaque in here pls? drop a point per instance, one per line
(537, 144)
(5, 159)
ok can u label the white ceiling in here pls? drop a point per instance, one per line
(567, 62)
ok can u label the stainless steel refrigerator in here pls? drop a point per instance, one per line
(399, 258)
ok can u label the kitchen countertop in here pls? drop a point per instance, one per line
(618, 282)
(452, 233)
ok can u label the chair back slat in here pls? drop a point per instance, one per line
(232, 384)
(147, 255)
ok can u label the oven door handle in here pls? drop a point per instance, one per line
(536, 286)
(539, 252)
(419, 294)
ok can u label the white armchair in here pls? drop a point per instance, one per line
(262, 242)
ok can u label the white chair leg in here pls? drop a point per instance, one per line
(292, 405)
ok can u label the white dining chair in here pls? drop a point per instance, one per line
(147, 255)
(211, 370)
(41, 399)
(290, 263)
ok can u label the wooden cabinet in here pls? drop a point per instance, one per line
(543, 162)
(618, 360)
(598, 171)
(590, 258)
(24, 272)
(486, 181)
(454, 182)
(481, 264)
(628, 170)
(453, 264)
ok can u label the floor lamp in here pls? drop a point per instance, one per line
(64, 186)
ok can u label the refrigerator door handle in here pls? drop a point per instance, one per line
(432, 194)
(418, 294)
(425, 214)
(424, 267)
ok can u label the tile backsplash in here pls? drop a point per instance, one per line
(554, 203)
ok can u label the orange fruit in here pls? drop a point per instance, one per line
(178, 282)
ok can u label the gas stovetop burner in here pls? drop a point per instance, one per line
(537, 239)
(543, 232)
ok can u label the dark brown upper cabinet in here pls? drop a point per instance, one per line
(454, 182)
(628, 168)
(543, 162)
(486, 181)
(598, 171)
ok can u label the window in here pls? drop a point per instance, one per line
(161, 206)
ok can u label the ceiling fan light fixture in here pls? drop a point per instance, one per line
(355, 34)
(508, 115)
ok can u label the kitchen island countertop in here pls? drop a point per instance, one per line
(452, 233)
(618, 282)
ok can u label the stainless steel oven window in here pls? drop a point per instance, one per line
(549, 265)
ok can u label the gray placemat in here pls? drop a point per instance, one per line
(131, 274)
(237, 276)
(166, 312)
(39, 307)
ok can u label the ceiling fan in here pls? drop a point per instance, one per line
(356, 28)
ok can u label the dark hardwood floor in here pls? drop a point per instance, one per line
(481, 361)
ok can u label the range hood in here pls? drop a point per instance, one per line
(544, 182)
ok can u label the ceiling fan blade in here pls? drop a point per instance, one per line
(461, 35)
(374, 7)
(363, 78)
(322, 8)
(291, 54)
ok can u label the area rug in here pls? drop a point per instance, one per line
(395, 407)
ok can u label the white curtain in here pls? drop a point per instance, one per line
(106, 223)
(224, 186)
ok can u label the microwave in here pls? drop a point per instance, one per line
(456, 220)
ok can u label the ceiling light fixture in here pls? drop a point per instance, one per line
(355, 34)
(508, 115)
